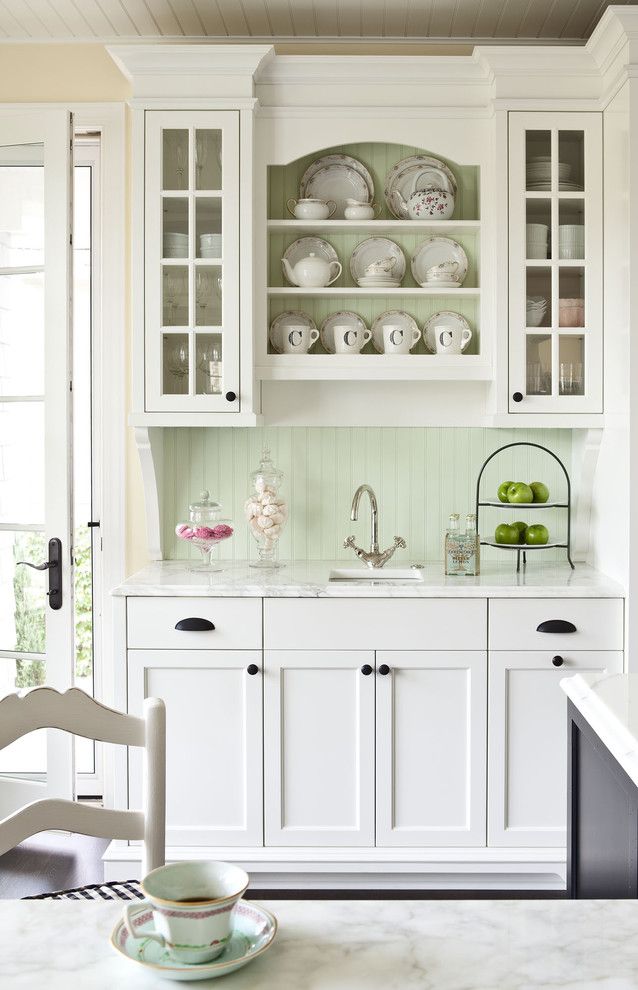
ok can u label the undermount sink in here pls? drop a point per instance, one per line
(398, 574)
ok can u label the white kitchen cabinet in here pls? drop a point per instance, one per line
(319, 747)
(214, 773)
(527, 746)
(555, 260)
(430, 748)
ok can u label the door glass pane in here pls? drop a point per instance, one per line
(209, 364)
(571, 302)
(538, 229)
(539, 364)
(22, 333)
(21, 206)
(22, 462)
(175, 296)
(175, 164)
(538, 160)
(571, 357)
(175, 227)
(539, 297)
(22, 594)
(175, 363)
(571, 156)
(208, 296)
(208, 224)
(208, 159)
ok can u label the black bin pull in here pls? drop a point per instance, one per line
(556, 626)
(194, 625)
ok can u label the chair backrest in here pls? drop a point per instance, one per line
(76, 712)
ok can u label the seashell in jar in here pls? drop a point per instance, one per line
(264, 522)
(269, 510)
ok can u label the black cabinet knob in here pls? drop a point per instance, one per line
(194, 625)
(231, 396)
(558, 661)
(252, 669)
(366, 670)
(384, 669)
(518, 396)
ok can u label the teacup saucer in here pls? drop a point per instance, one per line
(253, 933)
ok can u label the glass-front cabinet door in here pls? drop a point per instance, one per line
(192, 261)
(555, 272)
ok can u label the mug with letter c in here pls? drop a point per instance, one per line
(298, 339)
(398, 339)
(451, 340)
(350, 339)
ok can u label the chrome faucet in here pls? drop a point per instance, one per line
(374, 557)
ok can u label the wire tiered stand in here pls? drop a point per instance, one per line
(522, 549)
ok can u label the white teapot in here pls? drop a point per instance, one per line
(311, 272)
(433, 203)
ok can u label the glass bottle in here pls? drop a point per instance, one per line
(266, 511)
(205, 529)
(473, 547)
(451, 545)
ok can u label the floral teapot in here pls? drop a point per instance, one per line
(311, 272)
(432, 203)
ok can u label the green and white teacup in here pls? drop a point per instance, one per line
(192, 906)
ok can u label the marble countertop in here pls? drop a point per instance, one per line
(351, 945)
(309, 579)
(609, 703)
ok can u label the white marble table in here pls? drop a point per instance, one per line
(352, 945)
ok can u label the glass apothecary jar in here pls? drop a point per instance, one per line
(205, 530)
(266, 510)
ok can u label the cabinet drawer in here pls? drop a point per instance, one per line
(370, 624)
(598, 621)
(151, 623)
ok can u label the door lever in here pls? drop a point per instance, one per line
(54, 566)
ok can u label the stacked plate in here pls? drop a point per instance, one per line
(536, 309)
(571, 241)
(175, 245)
(536, 237)
(539, 173)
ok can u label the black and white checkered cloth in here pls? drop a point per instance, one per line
(124, 890)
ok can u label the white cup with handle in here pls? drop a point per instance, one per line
(349, 339)
(298, 339)
(451, 340)
(399, 340)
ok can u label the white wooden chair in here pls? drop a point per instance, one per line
(78, 713)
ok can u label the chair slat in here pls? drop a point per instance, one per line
(42, 816)
(72, 711)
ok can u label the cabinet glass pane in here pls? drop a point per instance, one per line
(538, 148)
(539, 364)
(208, 379)
(538, 229)
(539, 297)
(571, 229)
(175, 227)
(208, 296)
(571, 157)
(571, 358)
(208, 227)
(175, 296)
(175, 363)
(571, 302)
(22, 334)
(208, 159)
(174, 159)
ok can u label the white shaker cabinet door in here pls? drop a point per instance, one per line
(527, 747)
(430, 767)
(214, 781)
(319, 747)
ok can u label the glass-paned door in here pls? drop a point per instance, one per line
(36, 639)
(192, 261)
(555, 262)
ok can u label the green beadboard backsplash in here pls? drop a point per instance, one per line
(420, 476)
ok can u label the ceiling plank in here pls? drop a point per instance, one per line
(443, 13)
(534, 18)
(165, 18)
(510, 18)
(327, 18)
(118, 18)
(280, 18)
(10, 25)
(256, 17)
(487, 18)
(142, 18)
(373, 18)
(210, 14)
(188, 18)
(21, 18)
(85, 20)
(464, 19)
(555, 20)
(419, 18)
(234, 17)
(350, 18)
(580, 17)
(53, 19)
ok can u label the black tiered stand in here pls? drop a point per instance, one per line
(522, 549)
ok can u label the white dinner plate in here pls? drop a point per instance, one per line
(337, 178)
(290, 318)
(436, 251)
(305, 246)
(399, 318)
(446, 318)
(401, 176)
(376, 249)
(327, 328)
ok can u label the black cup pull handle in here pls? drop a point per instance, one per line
(384, 669)
(558, 661)
(366, 670)
(194, 625)
(556, 626)
(252, 669)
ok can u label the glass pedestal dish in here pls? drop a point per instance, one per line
(205, 530)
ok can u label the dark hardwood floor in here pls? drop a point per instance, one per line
(51, 862)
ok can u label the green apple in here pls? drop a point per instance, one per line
(503, 490)
(536, 535)
(506, 533)
(521, 527)
(519, 492)
(540, 491)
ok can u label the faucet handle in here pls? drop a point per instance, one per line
(399, 542)
(349, 542)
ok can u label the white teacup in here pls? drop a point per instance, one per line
(451, 340)
(298, 339)
(381, 267)
(192, 905)
(349, 339)
(398, 340)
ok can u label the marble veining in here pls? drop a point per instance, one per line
(309, 579)
(609, 703)
(352, 945)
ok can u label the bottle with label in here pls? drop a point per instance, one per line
(451, 546)
(472, 566)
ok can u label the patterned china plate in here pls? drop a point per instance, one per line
(327, 329)
(339, 178)
(376, 249)
(289, 318)
(435, 251)
(308, 245)
(400, 178)
(253, 933)
(446, 318)
(392, 316)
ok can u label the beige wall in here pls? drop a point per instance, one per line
(59, 73)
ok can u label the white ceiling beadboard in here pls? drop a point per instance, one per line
(468, 21)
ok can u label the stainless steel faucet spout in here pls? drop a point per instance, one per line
(374, 514)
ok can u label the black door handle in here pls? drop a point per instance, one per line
(54, 566)
(556, 626)
(384, 669)
(252, 669)
(194, 625)
(366, 670)
(558, 661)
